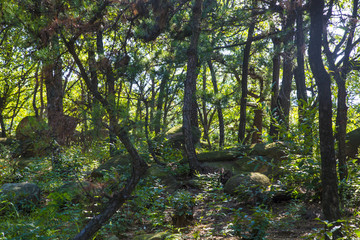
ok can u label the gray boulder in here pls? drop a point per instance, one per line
(24, 196)
(247, 186)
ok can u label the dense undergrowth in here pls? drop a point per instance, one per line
(196, 208)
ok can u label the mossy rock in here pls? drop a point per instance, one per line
(175, 136)
(246, 183)
(242, 164)
(30, 127)
(165, 177)
(352, 143)
(34, 137)
(24, 196)
(274, 150)
(115, 162)
(218, 156)
(153, 236)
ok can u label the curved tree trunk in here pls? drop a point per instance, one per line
(330, 196)
(190, 108)
(139, 166)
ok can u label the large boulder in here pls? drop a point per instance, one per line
(352, 143)
(165, 177)
(34, 137)
(153, 236)
(247, 185)
(175, 136)
(24, 196)
(115, 163)
(274, 150)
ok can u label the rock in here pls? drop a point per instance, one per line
(241, 164)
(113, 237)
(215, 156)
(353, 143)
(34, 137)
(153, 236)
(175, 136)
(247, 185)
(274, 150)
(29, 127)
(111, 164)
(165, 177)
(25, 196)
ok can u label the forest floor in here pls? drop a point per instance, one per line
(214, 218)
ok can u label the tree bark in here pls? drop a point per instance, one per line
(218, 106)
(275, 89)
(54, 89)
(300, 71)
(139, 166)
(160, 102)
(205, 113)
(244, 83)
(283, 101)
(330, 196)
(190, 108)
(2, 125)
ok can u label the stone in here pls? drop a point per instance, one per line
(246, 185)
(352, 143)
(273, 150)
(113, 237)
(25, 196)
(153, 236)
(111, 164)
(34, 137)
(175, 136)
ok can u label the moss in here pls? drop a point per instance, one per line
(176, 137)
(153, 236)
(241, 183)
(218, 156)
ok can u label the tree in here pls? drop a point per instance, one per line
(190, 108)
(340, 70)
(330, 196)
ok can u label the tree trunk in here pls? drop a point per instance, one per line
(2, 125)
(94, 103)
(244, 83)
(330, 196)
(258, 112)
(54, 90)
(275, 89)
(341, 118)
(283, 101)
(139, 166)
(300, 71)
(110, 82)
(218, 106)
(204, 116)
(160, 102)
(190, 109)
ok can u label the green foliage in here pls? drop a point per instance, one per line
(182, 202)
(252, 226)
(340, 230)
